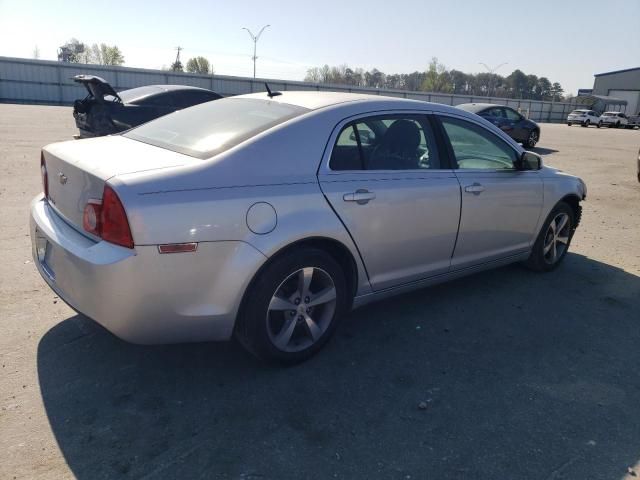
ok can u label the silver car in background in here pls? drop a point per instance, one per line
(269, 216)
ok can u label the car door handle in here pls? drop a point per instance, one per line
(476, 189)
(359, 196)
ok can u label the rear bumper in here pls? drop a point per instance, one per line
(138, 294)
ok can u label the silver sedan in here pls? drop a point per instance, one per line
(270, 216)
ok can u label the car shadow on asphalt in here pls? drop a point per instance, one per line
(504, 374)
(543, 150)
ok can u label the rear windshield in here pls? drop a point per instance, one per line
(210, 128)
(133, 94)
(610, 114)
(579, 111)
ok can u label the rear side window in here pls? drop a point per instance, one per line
(476, 148)
(391, 142)
(213, 127)
(493, 112)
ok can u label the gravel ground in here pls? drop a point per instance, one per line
(520, 375)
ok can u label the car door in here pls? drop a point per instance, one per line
(394, 191)
(517, 124)
(501, 206)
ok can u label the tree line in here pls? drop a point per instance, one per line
(437, 78)
(75, 51)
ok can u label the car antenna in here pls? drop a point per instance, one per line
(270, 93)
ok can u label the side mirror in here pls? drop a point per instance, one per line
(529, 161)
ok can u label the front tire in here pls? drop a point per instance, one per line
(568, 124)
(532, 139)
(586, 124)
(293, 307)
(554, 239)
(599, 124)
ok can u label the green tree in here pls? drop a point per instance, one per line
(556, 92)
(437, 79)
(176, 66)
(543, 88)
(517, 83)
(199, 65)
(104, 54)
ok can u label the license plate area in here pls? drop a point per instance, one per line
(43, 252)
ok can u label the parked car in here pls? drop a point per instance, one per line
(271, 217)
(633, 121)
(584, 118)
(519, 128)
(104, 111)
(614, 119)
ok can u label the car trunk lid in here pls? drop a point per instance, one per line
(77, 170)
(97, 87)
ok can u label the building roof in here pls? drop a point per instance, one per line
(616, 71)
(592, 100)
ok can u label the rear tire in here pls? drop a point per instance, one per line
(552, 243)
(293, 307)
(568, 124)
(599, 124)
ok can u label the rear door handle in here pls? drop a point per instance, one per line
(359, 196)
(476, 189)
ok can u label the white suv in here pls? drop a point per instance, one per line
(614, 119)
(584, 118)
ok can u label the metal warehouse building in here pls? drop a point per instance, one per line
(621, 84)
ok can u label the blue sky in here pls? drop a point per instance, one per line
(563, 40)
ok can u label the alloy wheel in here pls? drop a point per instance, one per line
(556, 240)
(301, 309)
(533, 138)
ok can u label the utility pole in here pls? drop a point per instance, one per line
(492, 71)
(255, 39)
(178, 49)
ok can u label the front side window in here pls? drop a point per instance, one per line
(392, 142)
(512, 115)
(476, 148)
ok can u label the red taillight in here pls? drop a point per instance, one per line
(107, 219)
(45, 177)
(113, 220)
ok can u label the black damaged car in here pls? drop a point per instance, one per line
(104, 111)
(521, 129)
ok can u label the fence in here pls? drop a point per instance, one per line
(49, 82)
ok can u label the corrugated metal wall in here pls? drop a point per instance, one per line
(47, 82)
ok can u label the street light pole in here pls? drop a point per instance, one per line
(492, 71)
(255, 39)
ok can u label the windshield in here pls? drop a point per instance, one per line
(579, 112)
(133, 94)
(610, 114)
(213, 127)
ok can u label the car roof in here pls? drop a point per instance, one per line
(316, 100)
(477, 107)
